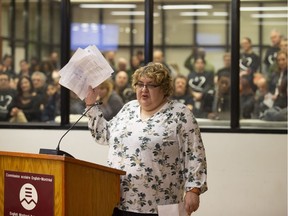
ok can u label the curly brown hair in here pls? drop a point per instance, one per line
(158, 73)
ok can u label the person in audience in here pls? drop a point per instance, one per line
(24, 69)
(110, 57)
(112, 102)
(39, 81)
(263, 98)
(141, 57)
(226, 66)
(27, 106)
(34, 64)
(201, 84)
(284, 45)
(279, 74)
(134, 65)
(47, 68)
(158, 57)
(8, 66)
(247, 100)
(249, 60)
(52, 106)
(279, 110)
(7, 95)
(271, 52)
(123, 88)
(54, 60)
(221, 102)
(156, 141)
(181, 91)
(198, 53)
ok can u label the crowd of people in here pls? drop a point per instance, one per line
(32, 94)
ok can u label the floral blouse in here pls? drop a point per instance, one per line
(163, 156)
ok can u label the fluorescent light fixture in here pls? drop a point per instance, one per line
(194, 14)
(269, 15)
(130, 13)
(263, 8)
(220, 14)
(107, 6)
(185, 7)
(204, 22)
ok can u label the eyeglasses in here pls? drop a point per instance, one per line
(147, 86)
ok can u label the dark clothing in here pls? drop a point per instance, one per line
(185, 99)
(249, 62)
(112, 107)
(221, 106)
(270, 56)
(51, 108)
(31, 107)
(6, 103)
(203, 83)
(118, 212)
(247, 102)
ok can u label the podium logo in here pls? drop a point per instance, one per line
(28, 196)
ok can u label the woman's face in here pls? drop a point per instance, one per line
(149, 95)
(180, 86)
(103, 91)
(25, 85)
(282, 61)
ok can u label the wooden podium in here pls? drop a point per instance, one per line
(79, 187)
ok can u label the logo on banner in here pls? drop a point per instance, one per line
(28, 196)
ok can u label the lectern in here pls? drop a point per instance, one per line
(38, 184)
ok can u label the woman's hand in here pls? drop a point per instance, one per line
(191, 202)
(92, 96)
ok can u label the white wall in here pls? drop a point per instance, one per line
(247, 173)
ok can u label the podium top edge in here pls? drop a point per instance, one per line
(61, 158)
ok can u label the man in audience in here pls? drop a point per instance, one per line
(6, 96)
(271, 52)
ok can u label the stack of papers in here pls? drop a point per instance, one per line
(87, 67)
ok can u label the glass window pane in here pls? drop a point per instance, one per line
(263, 97)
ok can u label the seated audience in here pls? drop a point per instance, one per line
(226, 66)
(52, 107)
(221, 102)
(27, 106)
(181, 91)
(7, 95)
(247, 100)
(198, 53)
(112, 102)
(122, 87)
(201, 85)
(263, 98)
(249, 60)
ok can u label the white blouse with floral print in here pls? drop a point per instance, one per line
(162, 156)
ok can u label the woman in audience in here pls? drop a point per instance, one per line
(27, 107)
(181, 91)
(112, 102)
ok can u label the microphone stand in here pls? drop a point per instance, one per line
(57, 151)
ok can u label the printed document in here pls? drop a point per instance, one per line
(87, 67)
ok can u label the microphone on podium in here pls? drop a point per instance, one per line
(57, 151)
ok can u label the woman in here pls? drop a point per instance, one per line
(156, 141)
(181, 92)
(111, 101)
(27, 105)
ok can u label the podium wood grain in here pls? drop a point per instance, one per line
(80, 188)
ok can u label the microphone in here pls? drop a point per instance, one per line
(57, 151)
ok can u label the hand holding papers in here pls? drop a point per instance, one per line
(87, 67)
